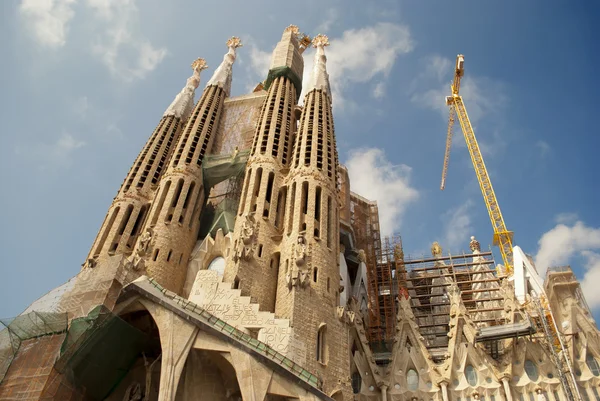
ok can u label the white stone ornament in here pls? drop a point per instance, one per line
(183, 104)
(319, 78)
(222, 75)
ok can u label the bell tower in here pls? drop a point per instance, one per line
(129, 209)
(172, 227)
(259, 225)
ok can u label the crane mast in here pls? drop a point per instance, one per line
(502, 237)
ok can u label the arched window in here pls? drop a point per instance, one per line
(322, 344)
(592, 364)
(218, 265)
(471, 375)
(412, 379)
(531, 370)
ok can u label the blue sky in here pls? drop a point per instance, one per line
(84, 82)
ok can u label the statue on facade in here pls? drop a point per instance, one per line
(245, 247)
(300, 251)
(144, 242)
(436, 250)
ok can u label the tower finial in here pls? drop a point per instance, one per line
(292, 28)
(222, 75)
(184, 101)
(320, 78)
(199, 64)
(320, 40)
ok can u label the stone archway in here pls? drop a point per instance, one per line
(208, 375)
(142, 380)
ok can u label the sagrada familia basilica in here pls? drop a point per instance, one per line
(236, 263)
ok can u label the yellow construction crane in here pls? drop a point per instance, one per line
(502, 237)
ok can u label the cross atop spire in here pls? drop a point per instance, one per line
(222, 75)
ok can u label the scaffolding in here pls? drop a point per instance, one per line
(364, 219)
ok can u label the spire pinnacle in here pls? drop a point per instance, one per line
(184, 101)
(319, 78)
(222, 75)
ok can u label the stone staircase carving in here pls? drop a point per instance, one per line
(212, 294)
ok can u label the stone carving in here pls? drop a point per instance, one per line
(300, 251)
(292, 28)
(136, 260)
(90, 263)
(436, 250)
(299, 274)
(474, 245)
(144, 242)
(245, 247)
(133, 392)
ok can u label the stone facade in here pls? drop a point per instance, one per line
(277, 305)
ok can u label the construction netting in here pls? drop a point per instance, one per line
(99, 350)
(92, 357)
(224, 175)
(16, 330)
(218, 168)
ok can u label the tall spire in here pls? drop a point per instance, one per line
(184, 101)
(222, 75)
(319, 78)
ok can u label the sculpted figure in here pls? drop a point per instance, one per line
(436, 250)
(300, 251)
(144, 242)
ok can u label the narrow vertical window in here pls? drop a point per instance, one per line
(329, 220)
(317, 212)
(161, 202)
(256, 189)
(315, 274)
(322, 344)
(245, 192)
(186, 202)
(106, 231)
(292, 206)
(281, 199)
(267, 205)
(304, 206)
(175, 200)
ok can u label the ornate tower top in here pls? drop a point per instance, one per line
(319, 78)
(222, 75)
(474, 245)
(293, 29)
(184, 101)
(436, 250)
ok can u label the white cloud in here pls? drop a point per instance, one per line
(566, 218)
(52, 155)
(543, 147)
(378, 91)
(591, 278)
(48, 20)
(458, 226)
(563, 243)
(373, 176)
(121, 47)
(331, 17)
(358, 56)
